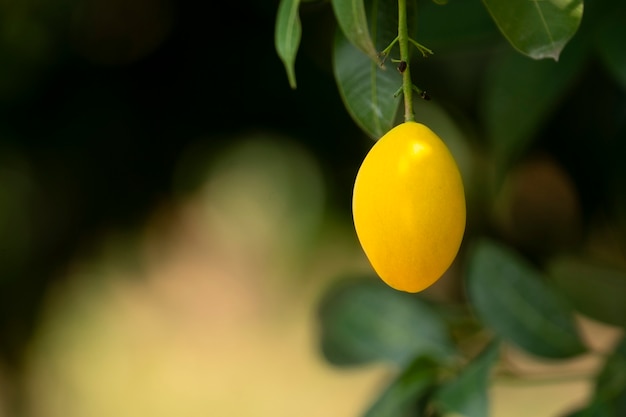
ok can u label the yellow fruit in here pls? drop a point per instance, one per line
(409, 207)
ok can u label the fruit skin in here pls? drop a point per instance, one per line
(408, 207)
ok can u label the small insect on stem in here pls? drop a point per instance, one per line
(402, 66)
(423, 94)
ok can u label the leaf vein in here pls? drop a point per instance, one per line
(544, 23)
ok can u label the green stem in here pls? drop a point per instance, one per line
(403, 42)
(424, 50)
(386, 51)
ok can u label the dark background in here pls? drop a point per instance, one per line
(93, 121)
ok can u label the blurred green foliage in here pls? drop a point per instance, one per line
(368, 321)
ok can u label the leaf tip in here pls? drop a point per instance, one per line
(554, 55)
(292, 80)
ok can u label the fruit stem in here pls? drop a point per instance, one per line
(403, 42)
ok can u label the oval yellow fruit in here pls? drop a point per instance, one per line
(408, 207)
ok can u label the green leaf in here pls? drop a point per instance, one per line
(593, 289)
(610, 42)
(512, 298)
(466, 395)
(367, 89)
(611, 382)
(521, 94)
(609, 397)
(537, 28)
(287, 36)
(415, 382)
(350, 15)
(365, 320)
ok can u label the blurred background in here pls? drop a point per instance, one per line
(171, 212)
